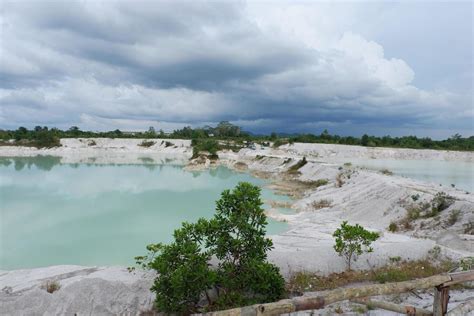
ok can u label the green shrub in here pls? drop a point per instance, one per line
(453, 217)
(147, 143)
(44, 139)
(466, 263)
(393, 227)
(51, 286)
(297, 166)
(469, 228)
(353, 241)
(235, 236)
(208, 145)
(413, 212)
(279, 142)
(440, 202)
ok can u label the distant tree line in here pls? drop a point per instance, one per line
(45, 137)
(455, 142)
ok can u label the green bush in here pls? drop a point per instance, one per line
(147, 143)
(393, 227)
(279, 142)
(440, 202)
(297, 166)
(209, 145)
(353, 241)
(44, 139)
(453, 217)
(235, 236)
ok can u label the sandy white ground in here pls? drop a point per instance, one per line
(366, 197)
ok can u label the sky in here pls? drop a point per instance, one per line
(383, 68)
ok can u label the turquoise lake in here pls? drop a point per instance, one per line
(457, 173)
(88, 214)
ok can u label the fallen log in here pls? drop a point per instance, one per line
(317, 302)
(409, 310)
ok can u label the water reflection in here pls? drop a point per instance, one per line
(100, 214)
(45, 163)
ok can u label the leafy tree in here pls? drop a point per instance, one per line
(364, 140)
(235, 236)
(151, 133)
(353, 241)
(184, 272)
(43, 139)
(209, 145)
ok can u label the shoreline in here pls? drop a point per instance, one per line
(86, 147)
(367, 197)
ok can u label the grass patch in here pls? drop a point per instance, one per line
(317, 183)
(397, 271)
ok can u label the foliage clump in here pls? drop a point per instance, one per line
(431, 209)
(318, 183)
(235, 236)
(386, 172)
(353, 241)
(393, 227)
(297, 166)
(51, 286)
(453, 217)
(147, 143)
(440, 202)
(210, 146)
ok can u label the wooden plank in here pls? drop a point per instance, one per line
(460, 277)
(341, 294)
(441, 299)
(402, 309)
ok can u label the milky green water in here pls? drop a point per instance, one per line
(53, 213)
(457, 173)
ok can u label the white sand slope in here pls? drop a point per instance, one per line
(366, 197)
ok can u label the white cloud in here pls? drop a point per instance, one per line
(278, 65)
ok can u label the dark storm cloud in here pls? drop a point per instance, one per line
(128, 63)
